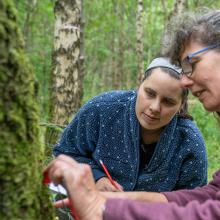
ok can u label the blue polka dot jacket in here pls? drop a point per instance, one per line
(107, 128)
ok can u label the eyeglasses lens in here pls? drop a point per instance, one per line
(186, 66)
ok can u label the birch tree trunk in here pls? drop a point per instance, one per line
(140, 47)
(116, 54)
(179, 6)
(121, 47)
(21, 191)
(67, 62)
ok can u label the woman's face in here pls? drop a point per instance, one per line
(205, 79)
(158, 100)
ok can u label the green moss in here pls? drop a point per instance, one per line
(22, 194)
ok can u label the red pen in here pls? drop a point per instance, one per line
(108, 175)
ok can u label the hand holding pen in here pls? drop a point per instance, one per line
(107, 183)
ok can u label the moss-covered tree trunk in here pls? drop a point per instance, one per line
(22, 195)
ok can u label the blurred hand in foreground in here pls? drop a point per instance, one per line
(78, 180)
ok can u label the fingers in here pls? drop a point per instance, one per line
(58, 168)
(67, 159)
(78, 181)
(64, 169)
(81, 174)
(120, 187)
(60, 158)
(104, 184)
(62, 203)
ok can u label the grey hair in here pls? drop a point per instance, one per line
(202, 26)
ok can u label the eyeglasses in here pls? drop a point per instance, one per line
(188, 63)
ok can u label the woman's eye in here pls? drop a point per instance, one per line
(193, 66)
(169, 103)
(150, 94)
(194, 61)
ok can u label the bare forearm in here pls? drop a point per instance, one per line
(147, 196)
(138, 196)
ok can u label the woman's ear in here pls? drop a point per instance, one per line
(139, 85)
(140, 80)
(183, 107)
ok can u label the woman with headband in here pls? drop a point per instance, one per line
(145, 138)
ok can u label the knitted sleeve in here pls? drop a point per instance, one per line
(200, 194)
(79, 138)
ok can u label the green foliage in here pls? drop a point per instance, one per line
(101, 34)
(37, 23)
(208, 125)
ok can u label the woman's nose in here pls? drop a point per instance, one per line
(155, 106)
(186, 82)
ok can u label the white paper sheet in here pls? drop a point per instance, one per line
(58, 189)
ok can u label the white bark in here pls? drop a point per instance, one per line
(67, 60)
(140, 47)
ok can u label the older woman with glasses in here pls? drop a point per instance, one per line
(194, 46)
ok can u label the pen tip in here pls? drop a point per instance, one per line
(100, 161)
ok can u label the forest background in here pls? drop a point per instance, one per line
(110, 51)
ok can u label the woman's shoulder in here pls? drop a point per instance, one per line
(187, 124)
(107, 101)
(189, 129)
(114, 96)
(191, 137)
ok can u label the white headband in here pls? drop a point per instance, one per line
(163, 62)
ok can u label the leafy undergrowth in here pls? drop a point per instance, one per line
(210, 129)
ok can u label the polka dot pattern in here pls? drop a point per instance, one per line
(107, 128)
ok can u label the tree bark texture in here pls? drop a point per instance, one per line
(140, 47)
(119, 74)
(21, 191)
(179, 6)
(67, 62)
